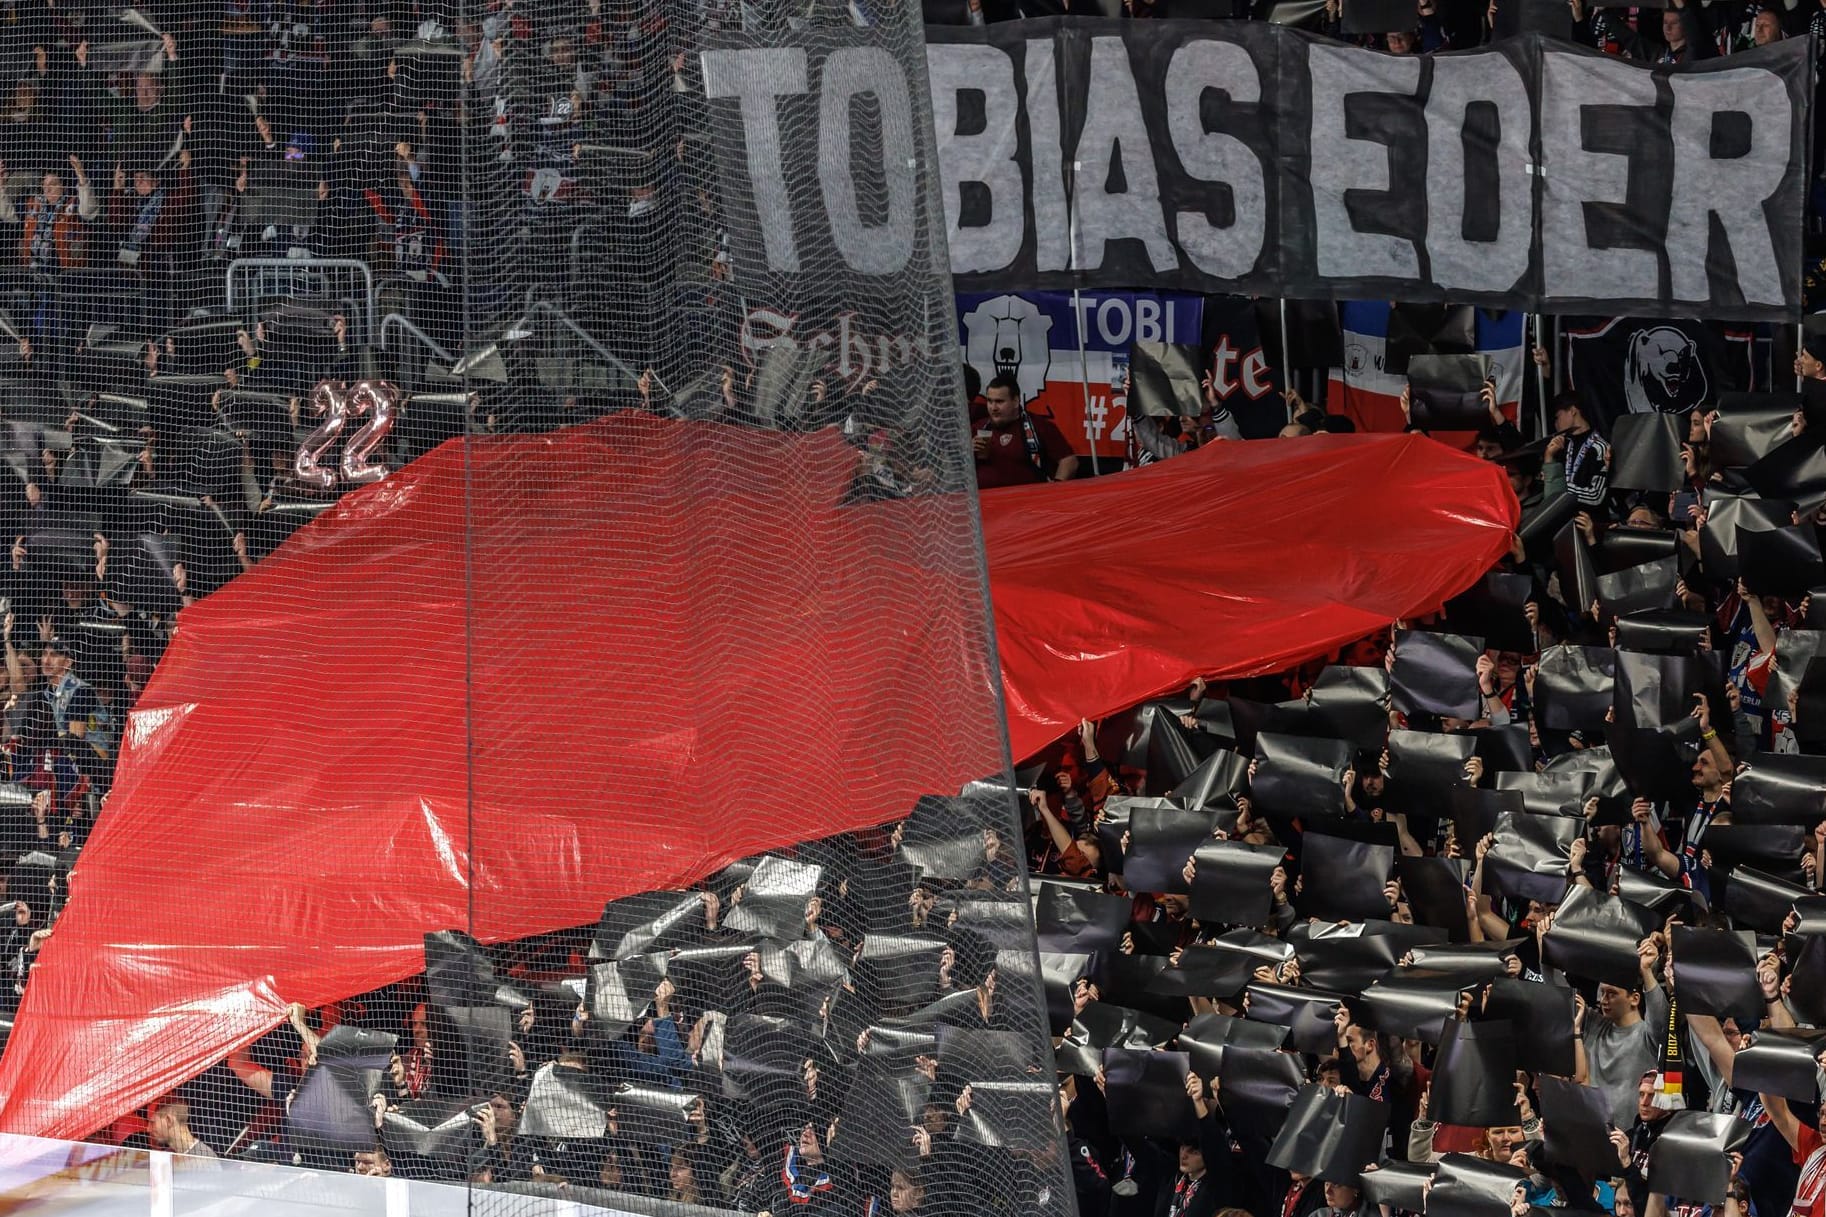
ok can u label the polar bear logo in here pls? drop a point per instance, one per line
(1663, 372)
(1008, 336)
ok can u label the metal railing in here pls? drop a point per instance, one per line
(544, 308)
(399, 321)
(319, 278)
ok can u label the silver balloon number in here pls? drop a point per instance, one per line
(339, 404)
(379, 399)
(331, 400)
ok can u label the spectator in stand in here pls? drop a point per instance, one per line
(806, 1183)
(1810, 360)
(16, 954)
(169, 1128)
(72, 702)
(408, 223)
(1577, 459)
(1801, 1130)
(1014, 447)
(146, 121)
(53, 221)
(1625, 1040)
(501, 1157)
(147, 216)
(1683, 34)
(29, 133)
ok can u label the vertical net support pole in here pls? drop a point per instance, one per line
(1537, 330)
(1084, 376)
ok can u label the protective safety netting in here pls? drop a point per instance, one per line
(520, 434)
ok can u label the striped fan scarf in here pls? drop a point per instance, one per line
(800, 1189)
(1673, 1060)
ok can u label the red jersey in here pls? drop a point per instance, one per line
(1022, 452)
(1810, 1192)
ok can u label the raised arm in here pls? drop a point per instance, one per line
(1061, 838)
(1782, 1117)
(1702, 710)
(1581, 1068)
(1706, 1027)
(1658, 855)
(1759, 620)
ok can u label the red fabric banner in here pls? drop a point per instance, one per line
(522, 677)
(1236, 560)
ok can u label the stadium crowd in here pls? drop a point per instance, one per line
(1679, 32)
(1466, 917)
(1460, 919)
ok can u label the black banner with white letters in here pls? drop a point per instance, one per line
(824, 166)
(1248, 157)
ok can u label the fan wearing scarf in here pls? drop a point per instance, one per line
(1013, 447)
(805, 1184)
(139, 214)
(51, 220)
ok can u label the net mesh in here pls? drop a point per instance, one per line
(537, 411)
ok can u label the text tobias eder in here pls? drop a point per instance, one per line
(1443, 197)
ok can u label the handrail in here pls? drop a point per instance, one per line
(546, 306)
(411, 327)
